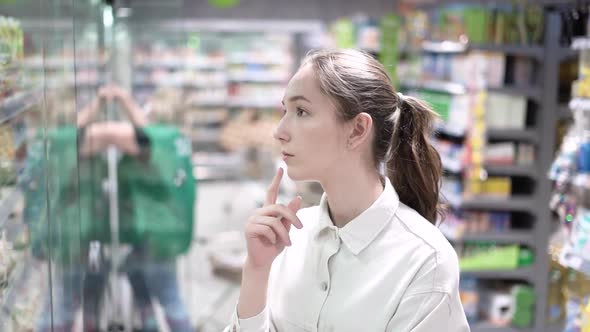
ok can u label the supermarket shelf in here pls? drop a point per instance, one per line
(512, 170)
(261, 62)
(523, 273)
(529, 135)
(567, 53)
(16, 105)
(211, 104)
(188, 85)
(57, 64)
(440, 86)
(254, 25)
(515, 90)
(486, 327)
(444, 47)
(515, 49)
(251, 104)
(524, 237)
(7, 205)
(149, 65)
(513, 203)
(258, 78)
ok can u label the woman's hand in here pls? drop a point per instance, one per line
(267, 231)
(114, 92)
(111, 92)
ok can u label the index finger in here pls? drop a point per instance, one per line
(273, 190)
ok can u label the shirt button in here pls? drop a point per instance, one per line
(324, 286)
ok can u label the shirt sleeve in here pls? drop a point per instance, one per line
(427, 312)
(258, 323)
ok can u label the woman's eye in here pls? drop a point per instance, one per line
(300, 112)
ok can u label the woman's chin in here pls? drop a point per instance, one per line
(295, 175)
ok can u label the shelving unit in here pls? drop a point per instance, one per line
(512, 170)
(491, 328)
(548, 57)
(514, 203)
(515, 236)
(525, 273)
(528, 135)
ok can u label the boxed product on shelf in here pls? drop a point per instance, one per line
(452, 190)
(451, 154)
(522, 72)
(497, 187)
(525, 153)
(459, 223)
(470, 296)
(500, 153)
(505, 111)
(478, 256)
(498, 304)
(483, 222)
(495, 73)
(502, 24)
(498, 308)
(513, 306)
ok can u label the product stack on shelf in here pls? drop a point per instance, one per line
(21, 290)
(486, 83)
(569, 250)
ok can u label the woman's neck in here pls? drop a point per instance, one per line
(347, 199)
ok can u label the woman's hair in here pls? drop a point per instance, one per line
(358, 83)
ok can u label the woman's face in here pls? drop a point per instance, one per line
(312, 137)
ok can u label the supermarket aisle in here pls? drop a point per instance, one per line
(222, 208)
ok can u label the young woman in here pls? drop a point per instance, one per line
(369, 257)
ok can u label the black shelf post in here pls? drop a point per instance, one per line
(545, 154)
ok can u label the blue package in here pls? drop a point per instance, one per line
(584, 158)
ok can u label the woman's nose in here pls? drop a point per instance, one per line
(280, 132)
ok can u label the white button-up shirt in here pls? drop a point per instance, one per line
(389, 269)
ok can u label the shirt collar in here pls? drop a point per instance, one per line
(362, 230)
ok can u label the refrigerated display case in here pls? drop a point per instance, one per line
(49, 60)
(88, 236)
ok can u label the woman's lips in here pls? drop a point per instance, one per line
(286, 155)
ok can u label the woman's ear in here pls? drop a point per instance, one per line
(360, 130)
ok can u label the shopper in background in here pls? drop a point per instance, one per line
(151, 266)
(137, 139)
(369, 257)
